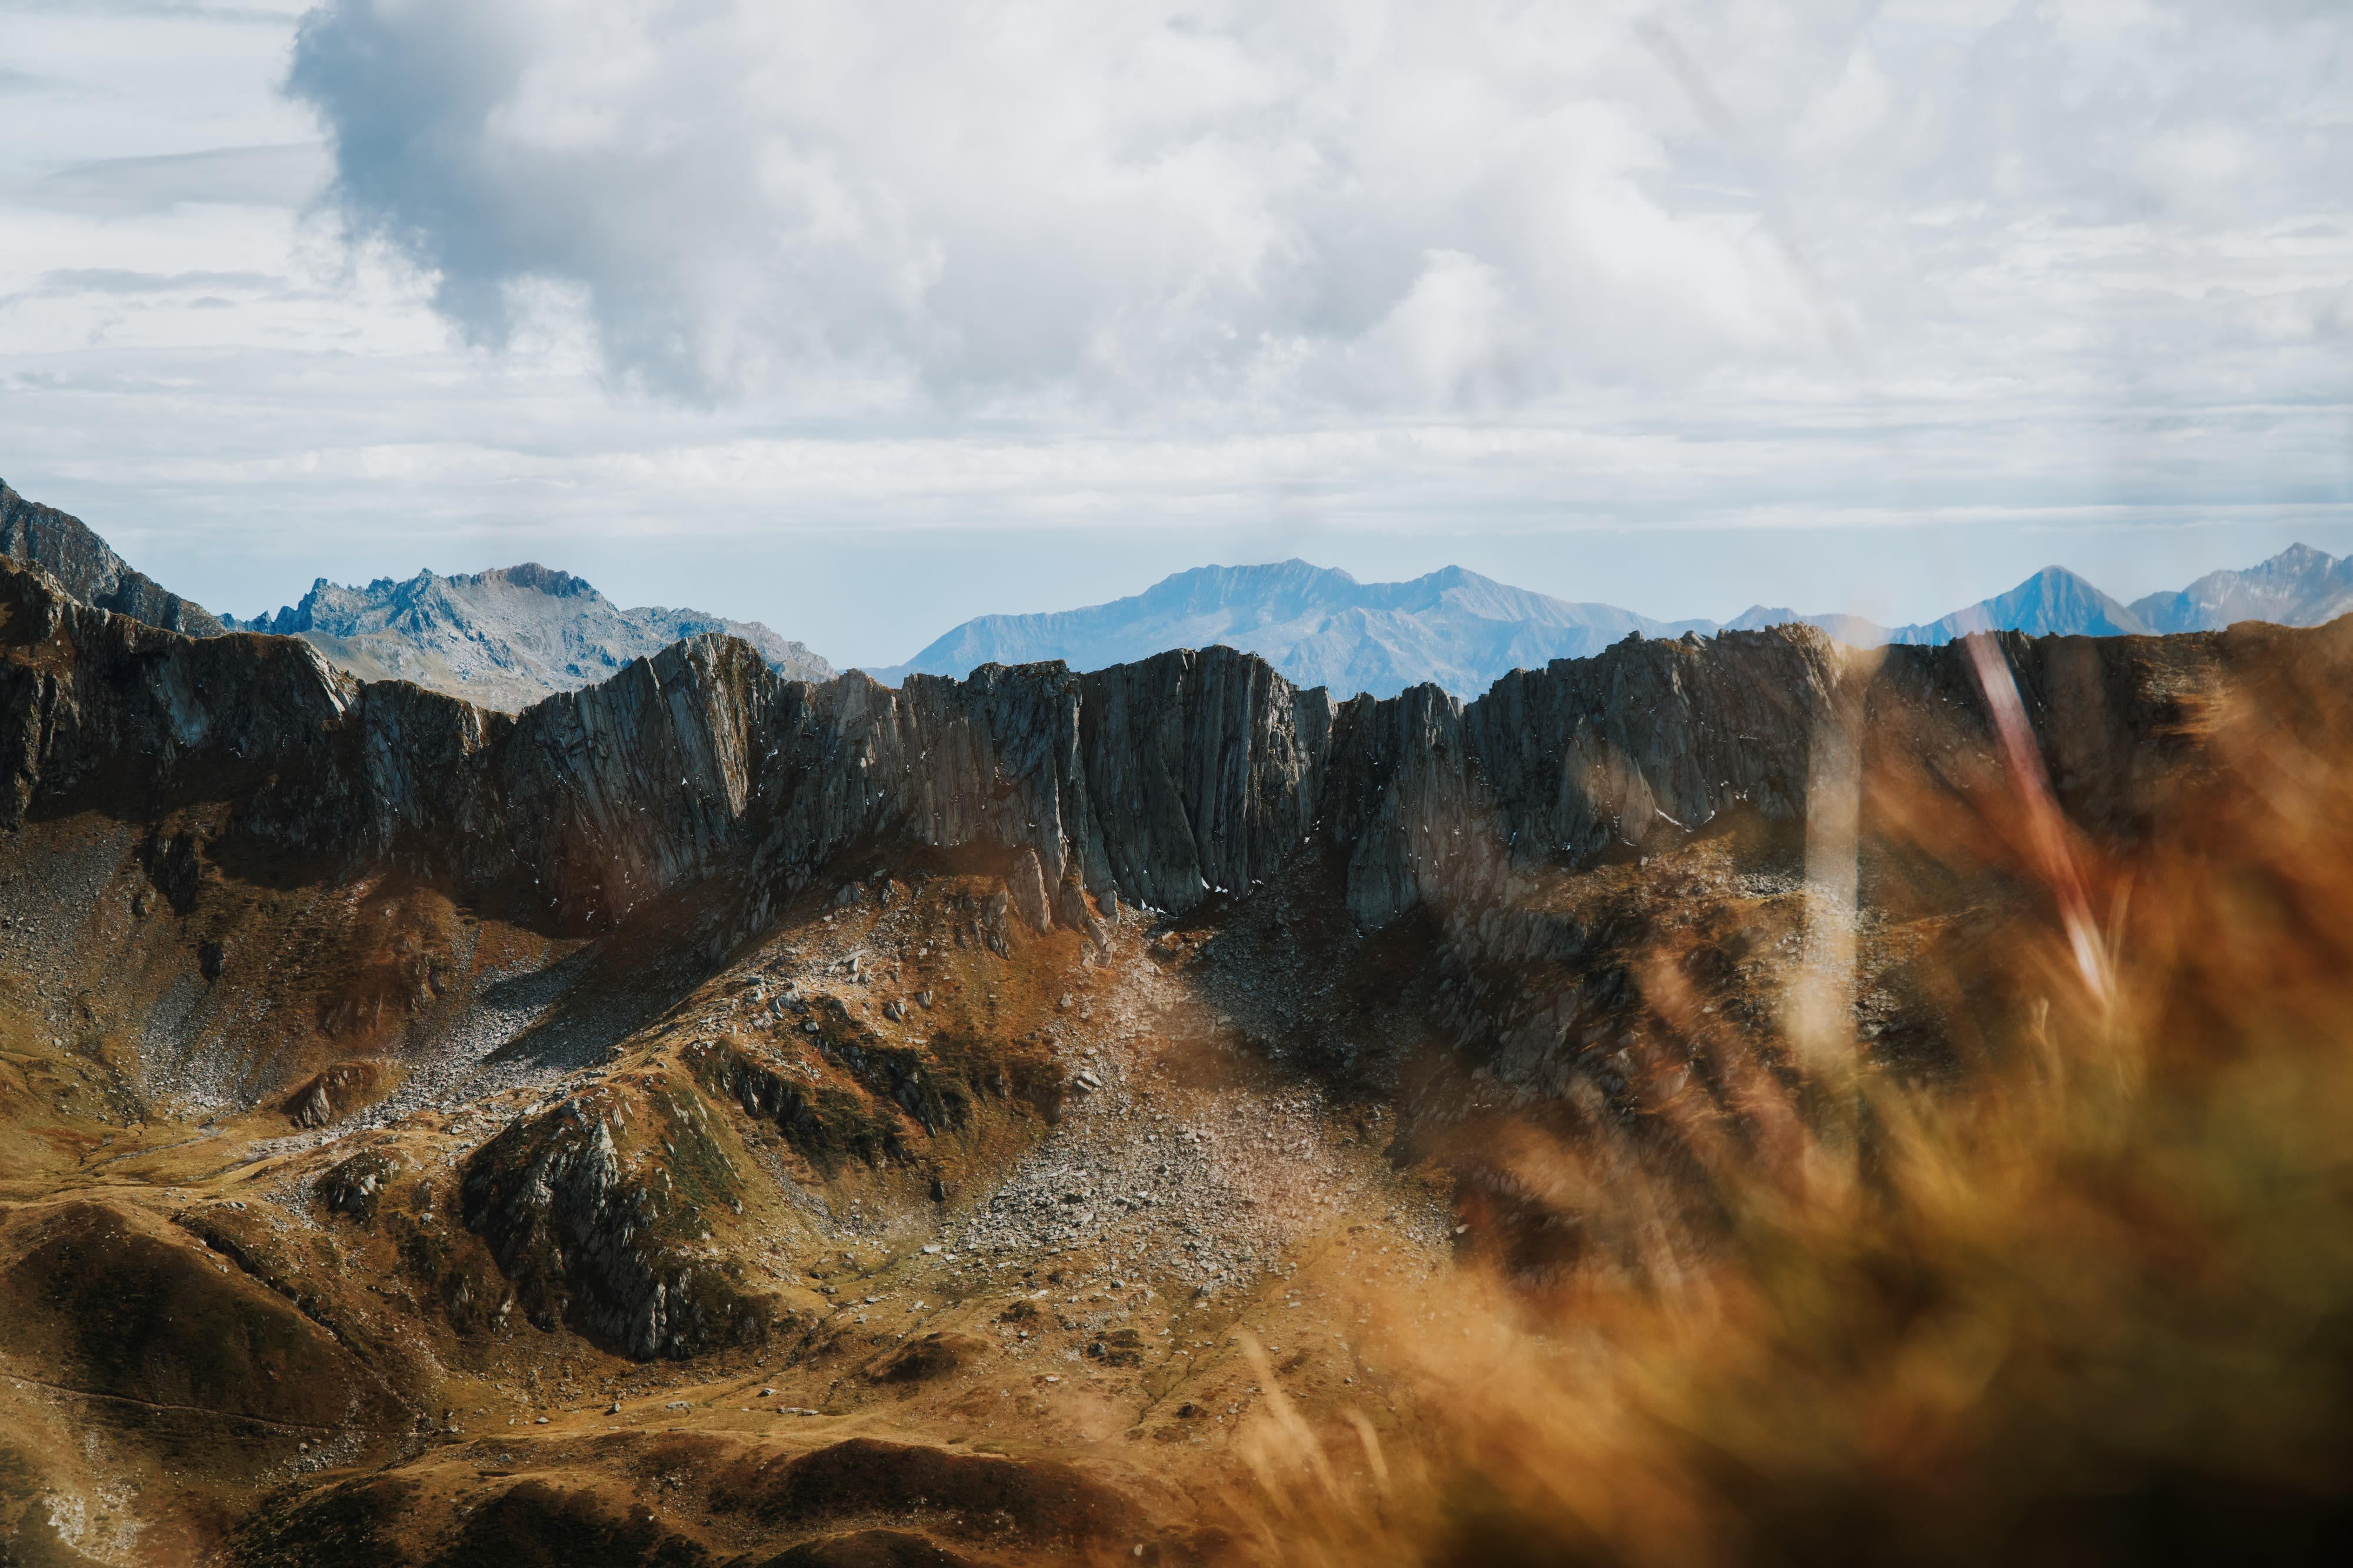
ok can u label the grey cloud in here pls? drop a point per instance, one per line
(115, 280)
(286, 175)
(1362, 206)
(198, 9)
(72, 282)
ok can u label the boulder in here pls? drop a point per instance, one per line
(1025, 884)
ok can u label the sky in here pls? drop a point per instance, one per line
(860, 318)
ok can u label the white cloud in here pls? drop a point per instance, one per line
(1151, 207)
(695, 296)
(1327, 203)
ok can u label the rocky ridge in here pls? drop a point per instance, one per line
(502, 639)
(1164, 783)
(90, 570)
(2300, 586)
(1318, 625)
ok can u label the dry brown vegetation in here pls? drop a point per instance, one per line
(2087, 1300)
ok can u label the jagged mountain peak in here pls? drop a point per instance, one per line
(2299, 587)
(327, 598)
(504, 638)
(70, 551)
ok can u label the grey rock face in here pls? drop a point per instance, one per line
(355, 1187)
(579, 1239)
(1027, 886)
(504, 639)
(69, 551)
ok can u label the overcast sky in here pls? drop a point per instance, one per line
(862, 318)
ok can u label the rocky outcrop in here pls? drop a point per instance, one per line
(1025, 884)
(589, 1240)
(354, 1187)
(67, 549)
(823, 1123)
(326, 1096)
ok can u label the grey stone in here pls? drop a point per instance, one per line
(1026, 885)
(82, 562)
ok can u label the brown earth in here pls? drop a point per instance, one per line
(394, 1304)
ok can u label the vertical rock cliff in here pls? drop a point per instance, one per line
(1163, 782)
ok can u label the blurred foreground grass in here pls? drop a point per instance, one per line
(2088, 1300)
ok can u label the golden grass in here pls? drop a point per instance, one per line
(2091, 1304)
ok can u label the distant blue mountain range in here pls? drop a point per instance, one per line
(505, 639)
(1322, 627)
(1319, 627)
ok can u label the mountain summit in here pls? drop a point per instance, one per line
(503, 638)
(1319, 625)
(2300, 586)
(1454, 628)
(69, 549)
(2053, 601)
